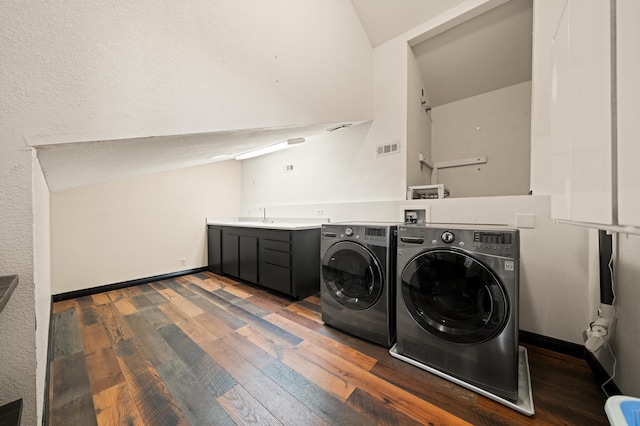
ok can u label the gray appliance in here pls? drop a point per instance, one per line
(457, 303)
(357, 288)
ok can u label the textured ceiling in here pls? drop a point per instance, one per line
(385, 19)
(71, 165)
(486, 53)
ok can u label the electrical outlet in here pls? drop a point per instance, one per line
(183, 261)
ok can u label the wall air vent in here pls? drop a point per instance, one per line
(288, 168)
(390, 148)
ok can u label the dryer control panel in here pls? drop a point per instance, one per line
(499, 242)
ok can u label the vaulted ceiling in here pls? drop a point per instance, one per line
(486, 53)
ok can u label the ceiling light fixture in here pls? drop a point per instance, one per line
(220, 156)
(270, 148)
(342, 126)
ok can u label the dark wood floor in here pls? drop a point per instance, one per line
(205, 350)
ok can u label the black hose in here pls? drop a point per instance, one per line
(605, 244)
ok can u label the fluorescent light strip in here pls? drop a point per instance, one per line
(269, 149)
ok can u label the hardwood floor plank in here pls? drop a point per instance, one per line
(205, 284)
(244, 409)
(66, 334)
(114, 406)
(79, 411)
(63, 305)
(86, 310)
(156, 348)
(195, 331)
(125, 306)
(281, 404)
(378, 388)
(212, 308)
(241, 303)
(266, 304)
(381, 414)
(248, 350)
(214, 378)
(149, 393)
(361, 360)
(232, 361)
(155, 317)
(114, 324)
(321, 402)
(104, 370)
(70, 381)
(213, 325)
(141, 301)
(101, 298)
(299, 319)
(197, 405)
(152, 294)
(180, 302)
(331, 381)
(131, 356)
(306, 312)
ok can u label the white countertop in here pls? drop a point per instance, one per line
(277, 223)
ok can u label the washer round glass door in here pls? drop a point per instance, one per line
(352, 275)
(453, 296)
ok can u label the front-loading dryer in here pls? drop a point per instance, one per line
(457, 303)
(357, 290)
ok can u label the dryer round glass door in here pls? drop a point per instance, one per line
(352, 275)
(454, 296)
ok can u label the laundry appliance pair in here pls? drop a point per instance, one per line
(446, 295)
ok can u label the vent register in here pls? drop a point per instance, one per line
(390, 148)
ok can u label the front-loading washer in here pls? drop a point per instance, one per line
(357, 289)
(457, 303)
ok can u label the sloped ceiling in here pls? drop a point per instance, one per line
(71, 165)
(489, 52)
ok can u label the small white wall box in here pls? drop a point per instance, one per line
(411, 214)
(426, 192)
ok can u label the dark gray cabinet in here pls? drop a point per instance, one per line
(240, 253)
(287, 261)
(290, 261)
(214, 245)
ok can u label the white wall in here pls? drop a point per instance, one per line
(124, 69)
(418, 125)
(497, 125)
(41, 277)
(141, 227)
(342, 166)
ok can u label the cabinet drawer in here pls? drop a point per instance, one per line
(277, 258)
(276, 278)
(276, 245)
(276, 235)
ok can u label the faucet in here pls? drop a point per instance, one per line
(264, 215)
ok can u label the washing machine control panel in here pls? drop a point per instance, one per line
(499, 242)
(348, 232)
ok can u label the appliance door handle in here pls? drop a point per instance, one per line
(412, 240)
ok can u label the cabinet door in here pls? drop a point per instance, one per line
(628, 95)
(248, 258)
(581, 117)
(230, 258)
(214, 246)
